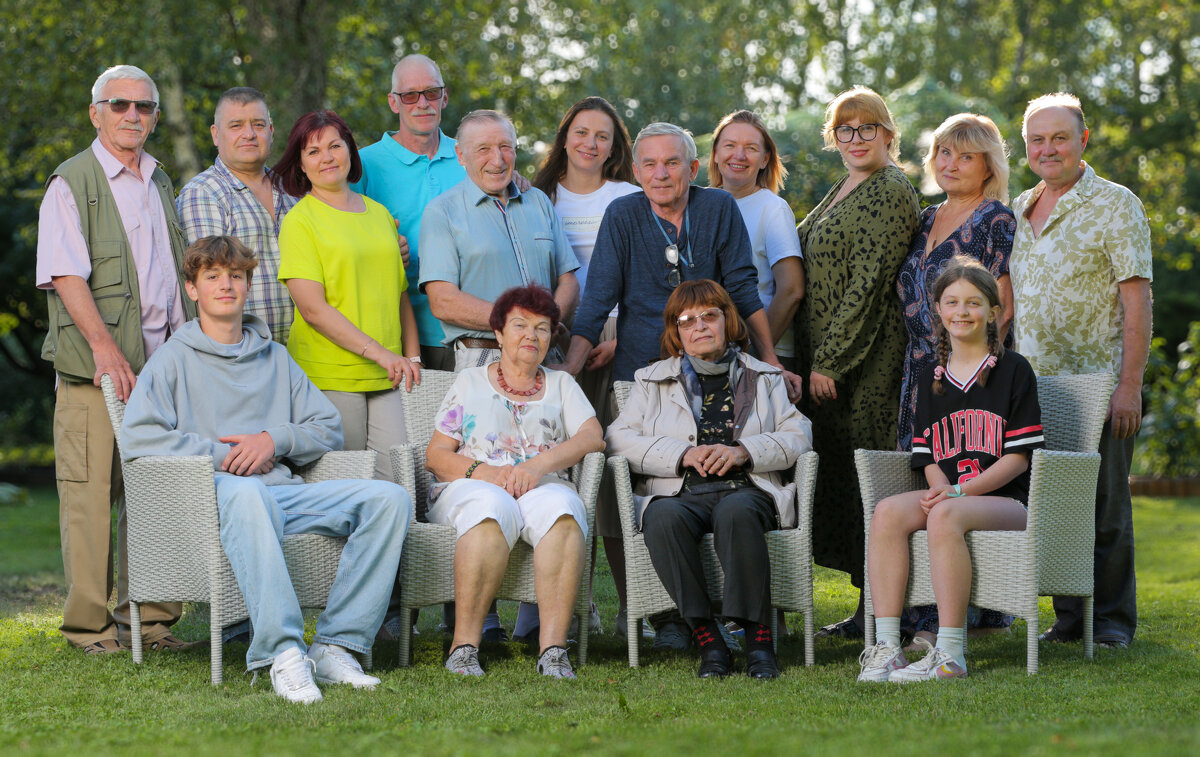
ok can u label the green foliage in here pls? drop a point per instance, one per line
(1134, 64)
(1170, 437)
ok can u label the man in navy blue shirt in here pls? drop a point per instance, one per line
(649, 241)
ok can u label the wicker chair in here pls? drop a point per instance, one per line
(790, 552)
(1053, 555)
(174, 543)
(427, 565)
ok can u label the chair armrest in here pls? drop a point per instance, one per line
(341, 464)
(172, 526)
(586, 476)
(404, 473)
(881, 474)
(618, 467)
(1062, 515)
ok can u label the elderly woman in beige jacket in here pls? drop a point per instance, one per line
(709, 432)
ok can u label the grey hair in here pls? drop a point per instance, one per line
(1054, 100)
(479, 116)
(663, 129)
(122, 72)
(408, 60)
(241, 96)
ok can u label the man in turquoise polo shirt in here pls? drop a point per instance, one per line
(406, 169)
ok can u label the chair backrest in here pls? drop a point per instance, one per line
(116, 408)
(1073, 410)
(621, 390)
(420, 407)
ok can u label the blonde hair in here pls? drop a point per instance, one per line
(1055, 100)
(770, 176)
(970, 132)
(868, 107)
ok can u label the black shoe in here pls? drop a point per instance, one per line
(843, 629)
(495, 635)
(1056, 635)
(714, 662)
(1111, 640)
(761, 664)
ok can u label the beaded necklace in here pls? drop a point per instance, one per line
(537, 383)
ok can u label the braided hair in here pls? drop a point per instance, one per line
(959, 268)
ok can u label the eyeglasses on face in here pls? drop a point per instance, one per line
(120, 105)
(433, 94)
(689, 322)
(845, 132)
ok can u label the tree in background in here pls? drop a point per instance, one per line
(1133, 63)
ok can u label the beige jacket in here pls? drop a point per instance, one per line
(656, 428)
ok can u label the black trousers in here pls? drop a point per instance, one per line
(738, 520)
(1115, 609)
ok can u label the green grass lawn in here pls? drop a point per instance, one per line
(1144, 700)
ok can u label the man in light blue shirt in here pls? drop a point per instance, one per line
(485, 236)
(406, 169)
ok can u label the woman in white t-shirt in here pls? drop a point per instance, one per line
(589, 165)
(745, 163)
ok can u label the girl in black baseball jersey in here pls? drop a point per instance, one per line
(977, 421)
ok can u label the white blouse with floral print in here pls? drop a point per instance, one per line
(496, 430)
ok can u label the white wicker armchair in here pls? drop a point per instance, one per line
(174, 543)
(427, 564)
(790, 552)
(1054, 554)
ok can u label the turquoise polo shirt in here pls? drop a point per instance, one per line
(484, 249)
(404, 183)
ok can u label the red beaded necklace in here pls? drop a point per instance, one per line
(537, 383)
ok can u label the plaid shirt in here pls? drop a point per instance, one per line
(216, 202)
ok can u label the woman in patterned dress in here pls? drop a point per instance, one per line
(850, 333)
(503, 440)
(968, 160)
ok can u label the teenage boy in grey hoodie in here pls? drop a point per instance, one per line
(221, 387)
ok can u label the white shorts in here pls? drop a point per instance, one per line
(466, 503)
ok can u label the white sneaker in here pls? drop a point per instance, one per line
(334, 664)
(292, 677)
(464, 660)
(554, 663)
(937, 665)
(879, 661)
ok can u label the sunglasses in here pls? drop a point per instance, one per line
(410, 98)
(689, 322)
(120, 105)
(672, 256)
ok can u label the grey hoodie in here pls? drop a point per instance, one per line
(195, 390)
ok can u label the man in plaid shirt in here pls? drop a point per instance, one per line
(235, 197)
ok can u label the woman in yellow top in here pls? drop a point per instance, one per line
(354, 334)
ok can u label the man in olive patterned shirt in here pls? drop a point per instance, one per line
(1081, 273)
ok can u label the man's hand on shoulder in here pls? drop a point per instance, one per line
(251, 453)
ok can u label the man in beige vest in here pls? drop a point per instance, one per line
(109, 256)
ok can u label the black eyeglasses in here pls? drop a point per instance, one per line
(120, 105)
(845, 133)
(410, 98)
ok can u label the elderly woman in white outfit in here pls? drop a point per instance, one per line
(710, 433)
(504, 438)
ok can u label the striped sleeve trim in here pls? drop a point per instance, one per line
(1023, 437)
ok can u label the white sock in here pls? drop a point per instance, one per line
(888, 630)
(951, 639)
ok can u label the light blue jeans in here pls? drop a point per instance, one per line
(373, 515)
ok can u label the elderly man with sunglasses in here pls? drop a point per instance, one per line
(110, 253)
(650, 241)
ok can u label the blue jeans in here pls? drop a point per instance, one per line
(373, 515)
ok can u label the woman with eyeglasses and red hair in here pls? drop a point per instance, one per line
(850, 332)
(709, 433)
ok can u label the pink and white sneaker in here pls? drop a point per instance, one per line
(937, 665)
(879, 661)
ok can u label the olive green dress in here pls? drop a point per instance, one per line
(850, 328)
